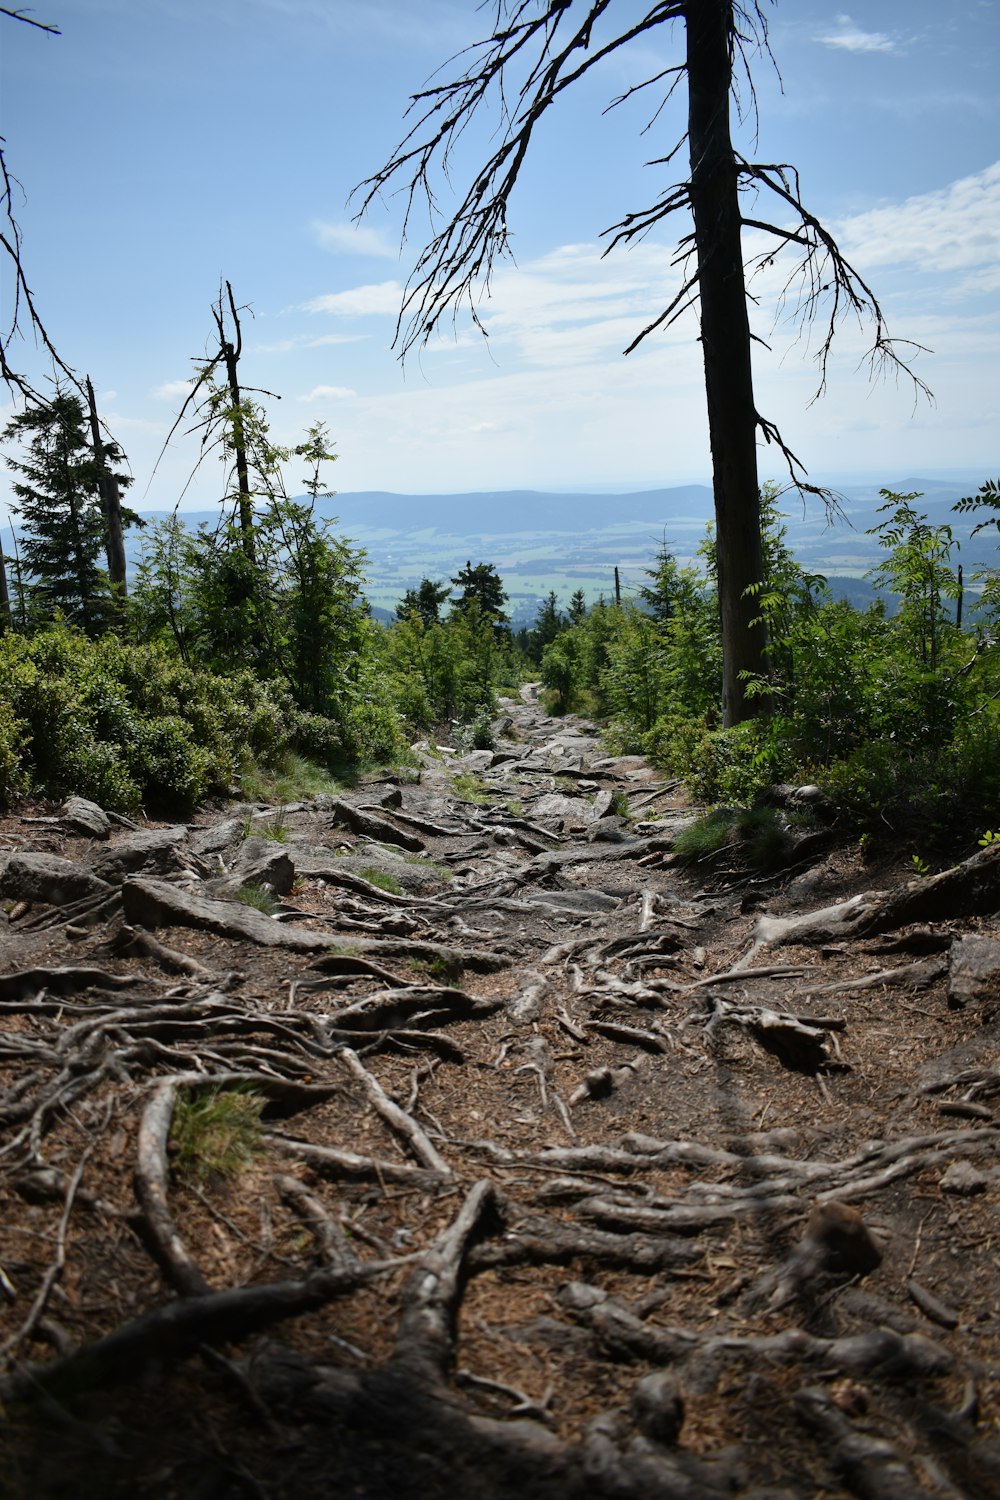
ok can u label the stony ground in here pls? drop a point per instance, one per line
(578, 1173)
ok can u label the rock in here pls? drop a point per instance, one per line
(608, 830)
(49, 879)
(973, 971)
(85, 817)
(260, 862)
(372, 826)
(558, 805)
(157, 903)
(965, 1180)
(585, 903)
(603, 803)
(658, 1407)
(158, 851)
(218, 837)
(475, 761)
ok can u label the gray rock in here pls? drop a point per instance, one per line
(558, 805)
(973, 970)
(608, 830)
(157, 903)
(158, 851)
(49, 879)
(603, 803)
(965, 1180)
(585, 903)
(218, 837)
(85, 817)
(259, 862)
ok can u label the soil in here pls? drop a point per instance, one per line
(663, 1210)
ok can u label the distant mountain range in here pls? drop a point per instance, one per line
(540, 541)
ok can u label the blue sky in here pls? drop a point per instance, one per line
(166, 144)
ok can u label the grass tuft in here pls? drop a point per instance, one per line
(382, 879)
(259, 897)
(216, 1135)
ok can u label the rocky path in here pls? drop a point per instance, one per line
(575, 1176)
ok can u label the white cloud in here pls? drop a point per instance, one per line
(361, 301)
(305, 341)
(327, 393)
(955, 228)
(353, 239)
(172, 390)
(850, 38)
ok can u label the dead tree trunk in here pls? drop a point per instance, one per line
(725, 339)
(231, 355)
(4, 596)
(111, 502)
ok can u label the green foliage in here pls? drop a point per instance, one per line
(482, 590)
(988, 579)
(425, 600)
(918, 569)
(470, 789)
(130, 725)
(755, 837)
(449, 671)
(291, 778)
(215, 1135)
(57, 496)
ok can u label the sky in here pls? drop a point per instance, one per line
(164, 146)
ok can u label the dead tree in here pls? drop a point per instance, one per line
(537, 50)
(111, 502)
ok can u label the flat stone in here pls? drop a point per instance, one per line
(558, 805)
(608, 830)
(260, 862)
(965, 1180)
(155, 850)
(85, 817)
(973, 970)
(157, 903)
(218, 837)
(49, 879)
(583, 902)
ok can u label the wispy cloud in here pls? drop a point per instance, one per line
(306, 341)
(327, 393)
(850, 38)
(172, 390)
(353, 239)
(956, 228)
(360, 301)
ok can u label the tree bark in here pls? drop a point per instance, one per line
(111, 501)
(725, 337)
(231, 354)
(4, 596)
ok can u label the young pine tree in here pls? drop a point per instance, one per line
(57, 492)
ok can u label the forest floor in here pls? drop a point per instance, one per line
(578, 1173)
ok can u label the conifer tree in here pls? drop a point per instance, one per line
(57, 494)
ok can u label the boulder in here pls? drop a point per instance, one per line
(49, 879)
(85, 817)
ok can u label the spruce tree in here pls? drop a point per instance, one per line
(59, 504)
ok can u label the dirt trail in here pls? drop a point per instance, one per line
(577, 1178)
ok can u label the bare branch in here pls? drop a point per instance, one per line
(22, 15)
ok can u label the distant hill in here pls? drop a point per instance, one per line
(540, 541)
